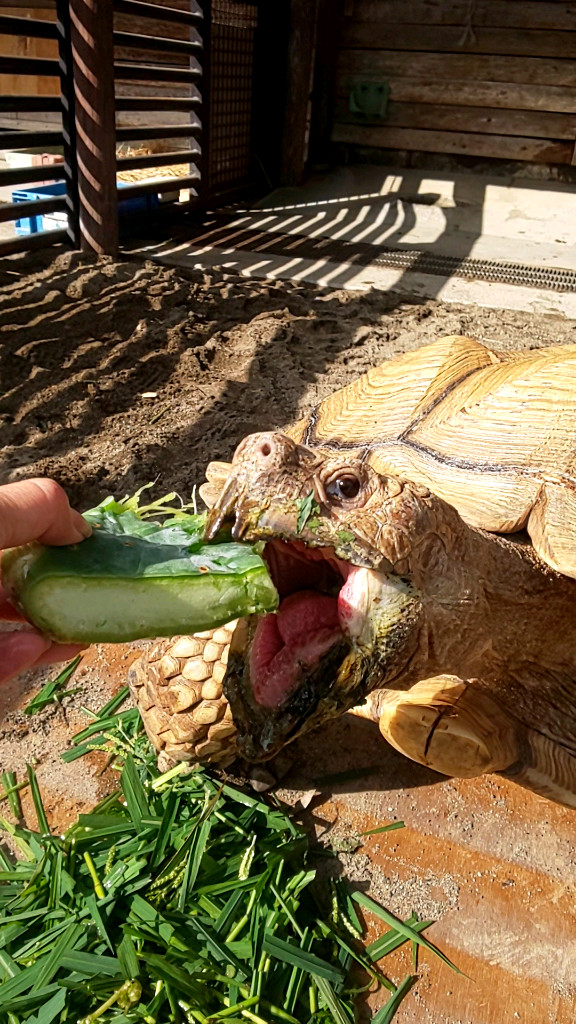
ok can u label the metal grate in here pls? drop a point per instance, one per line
(233, 32)
(226, 235)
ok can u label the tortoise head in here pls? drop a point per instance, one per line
(339, 541)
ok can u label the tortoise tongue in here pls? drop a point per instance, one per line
(304, 628)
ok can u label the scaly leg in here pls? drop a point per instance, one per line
(446, 723)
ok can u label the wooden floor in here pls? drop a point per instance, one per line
(494, 865)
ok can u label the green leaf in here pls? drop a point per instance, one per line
(383, 828)
(306, 507)
(50, 1010)
(291, 954)
(386, 1013)
(332, 1001)
(37, 799)
(391, 940)
(128, 958)
(51, 692)
(12, 792)
(402, 927)
(136, 800)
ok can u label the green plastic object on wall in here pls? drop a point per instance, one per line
(369, 99)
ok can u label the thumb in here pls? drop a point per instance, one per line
(38, 509)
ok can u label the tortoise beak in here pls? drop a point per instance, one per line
(264, 466)
(223, 510)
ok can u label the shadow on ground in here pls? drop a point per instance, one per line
(114, 374)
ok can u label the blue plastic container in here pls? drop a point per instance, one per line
(46, 222)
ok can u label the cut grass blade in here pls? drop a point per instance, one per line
(391, 940)
(292, 954)
(386, 1013)
(176, 899)
(332, 1001)
(402, 927)
(383, 828)
(43, 825)
(12, 792)
(53, 690)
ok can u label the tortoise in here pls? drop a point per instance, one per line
(420, 525)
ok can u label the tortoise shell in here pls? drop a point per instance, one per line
(492, 433)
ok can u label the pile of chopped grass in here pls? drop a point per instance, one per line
(181, 899)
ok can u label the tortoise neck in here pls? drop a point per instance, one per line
(491, 608)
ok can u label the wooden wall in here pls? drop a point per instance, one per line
(488, 78)
(24, 46)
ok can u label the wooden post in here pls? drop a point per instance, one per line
(324, 89)
(93, 57)
(299, 85)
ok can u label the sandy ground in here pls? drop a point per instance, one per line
(114, 374)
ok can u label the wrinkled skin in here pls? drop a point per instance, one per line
(430, 596)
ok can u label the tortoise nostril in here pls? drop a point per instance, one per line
(265, 449)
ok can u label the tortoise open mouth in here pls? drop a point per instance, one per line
(320, 653)
(316, 611)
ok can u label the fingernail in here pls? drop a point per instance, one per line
(82, 525)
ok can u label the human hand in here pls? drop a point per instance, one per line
(34, 510)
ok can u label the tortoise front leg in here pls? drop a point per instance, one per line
(447, 724)
(177, 688)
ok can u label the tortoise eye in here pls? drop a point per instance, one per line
(343, 487)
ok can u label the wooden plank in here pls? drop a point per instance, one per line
(17, 211)
(31, 28)
(68, 116)
(10, 246)
(159, 103)
(30, 139)
(324, 86)
(31, 175)
(157, 72)
(503, 95)
(39, 5)
(92, 51)
(299, 80)
(140, 41)
(146, 188)
(29, 66)
(459, 39)
(136, 9)
(35, 104)
(531, 124)
(130, 55)
(461, 143)
(162, 131)
(467, 67)
(485, 13)
(184, 156)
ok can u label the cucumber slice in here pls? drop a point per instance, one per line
(134, 579)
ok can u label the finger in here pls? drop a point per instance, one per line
(59, 652)
(20, 651)
(38, 510)
(8, 613)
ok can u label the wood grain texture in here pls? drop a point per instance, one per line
(466, 67)
(491, 121)
(25, 46)
(507, 56)
(517, 41)
(485, 13)
(460, 143)
(499, 95)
